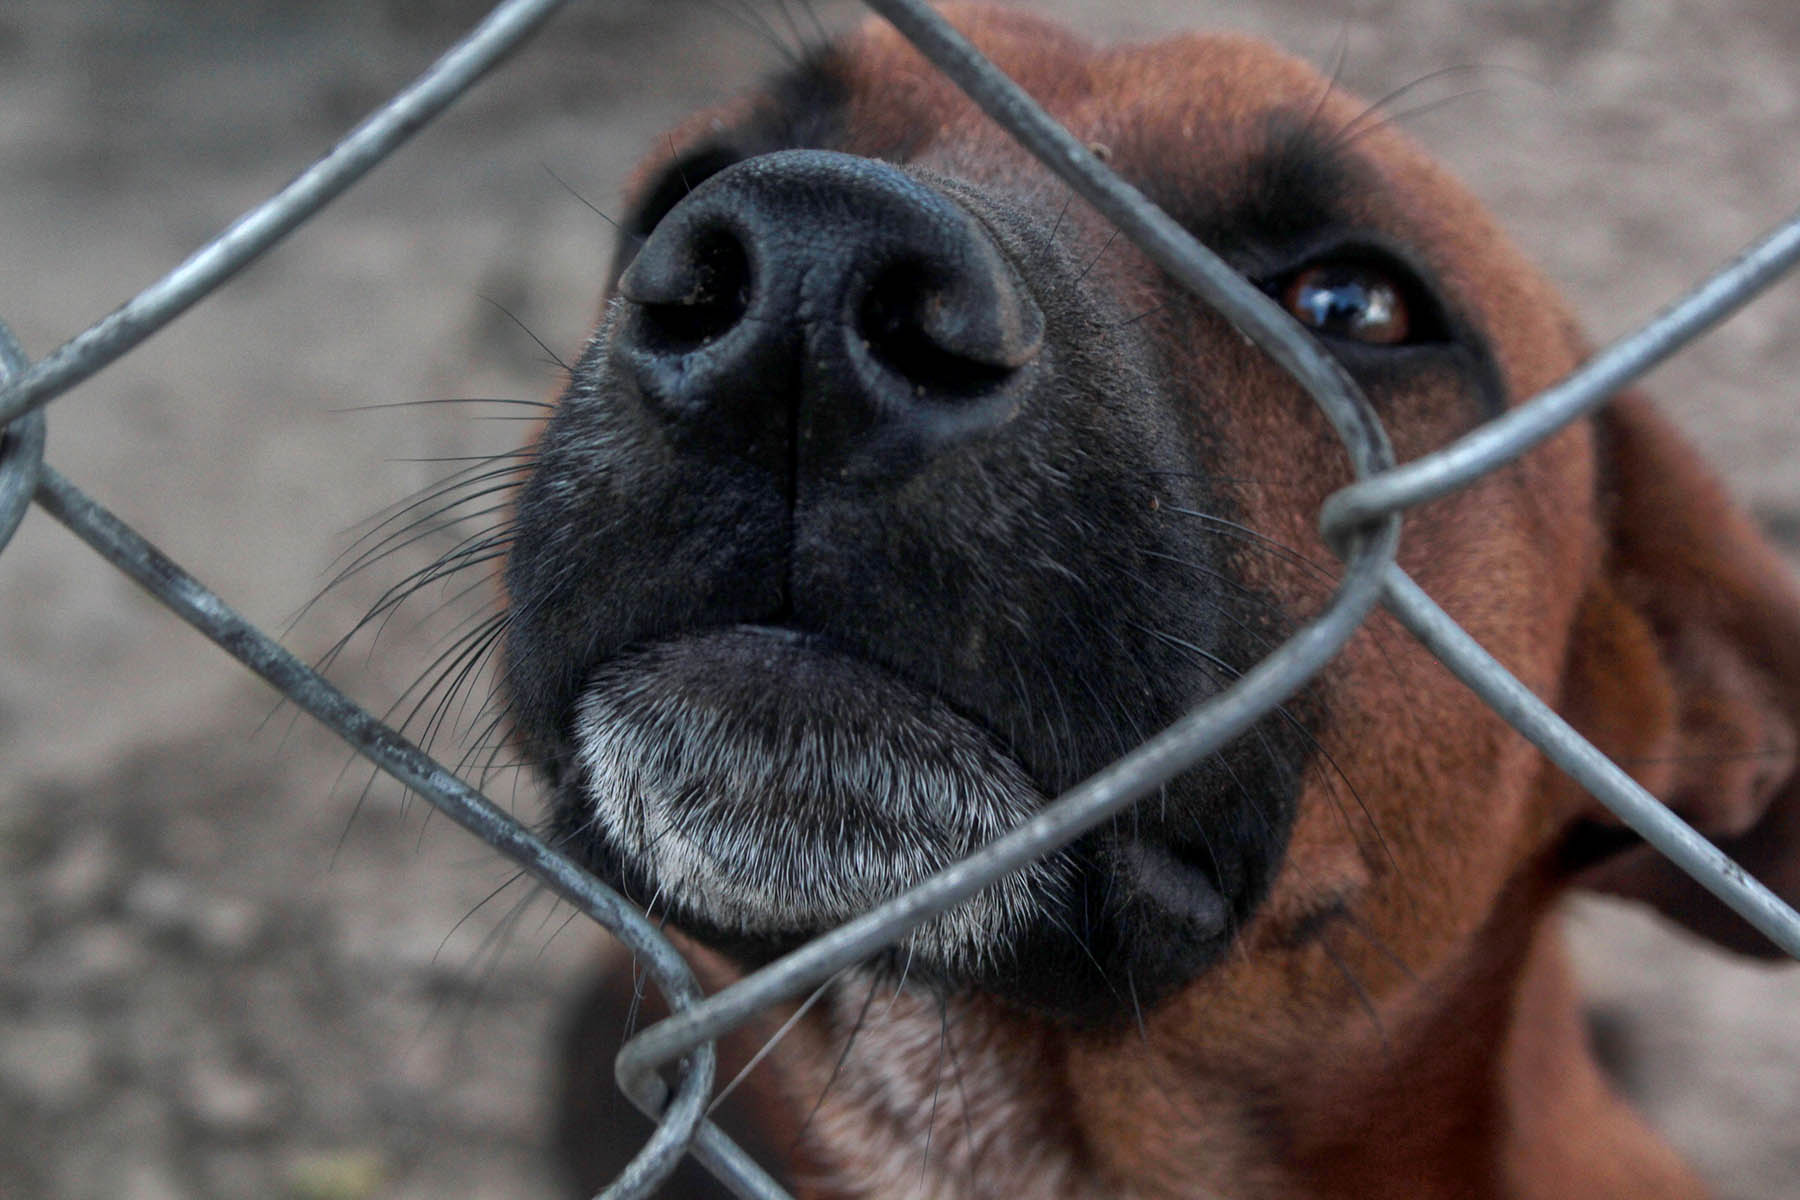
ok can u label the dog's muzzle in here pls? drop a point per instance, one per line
(845, 548)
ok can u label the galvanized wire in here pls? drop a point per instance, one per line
(190, 600)
(1501, 441)
(21, 446)
(369, 143)
(1510, 435)
(1361, 521)
(1209, 727)
(1586, 765)
(1201, 732)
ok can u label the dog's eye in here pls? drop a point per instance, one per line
(1357, 301)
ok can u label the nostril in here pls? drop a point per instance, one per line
(700, 302)
(908, 322)
(810, 311)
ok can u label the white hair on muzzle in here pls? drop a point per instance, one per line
(801, 792)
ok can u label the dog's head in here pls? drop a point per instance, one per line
(894, 495)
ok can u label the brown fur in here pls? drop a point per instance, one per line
(1398, 1019)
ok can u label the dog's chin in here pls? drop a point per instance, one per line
(762, 788)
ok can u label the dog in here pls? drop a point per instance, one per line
(894, 495)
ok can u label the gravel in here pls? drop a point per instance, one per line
(229, 968)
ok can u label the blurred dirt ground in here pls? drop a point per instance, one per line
(233, 967)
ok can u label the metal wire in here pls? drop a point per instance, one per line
(21, 446)
(254, 232)
(1204, 730)
(1362, 521)
(1510, 435)
(1610, 785)
(188, 599)
(1501, 441)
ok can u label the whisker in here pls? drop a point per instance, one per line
(1148, 312)
(463, 477)
(1348, 129)
(1061, 213)
(387, 404)
(1313, 743)
(820, 33)
(793, 26)
(746, 17)
(1379, 943)
(1095, 261)
(1340, 53)
(1245, 533)
(591, 207)
(555, 358)
(837, 1068)
(1406, 114)
(773, 1041)
(1137, 1009)
(937, 1087)
(1364, 1000)
(971, 1142)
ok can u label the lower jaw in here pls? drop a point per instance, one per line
(1083, 959)
(775, 789)
(687, 796)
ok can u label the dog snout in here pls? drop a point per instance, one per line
(824, 313)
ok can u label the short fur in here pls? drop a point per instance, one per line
(1320, 966)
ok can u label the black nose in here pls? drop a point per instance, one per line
(825, 313)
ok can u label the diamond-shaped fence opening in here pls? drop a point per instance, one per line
(668, 1069)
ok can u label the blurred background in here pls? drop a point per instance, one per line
(230, 965)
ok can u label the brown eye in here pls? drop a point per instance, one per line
(1349, 300)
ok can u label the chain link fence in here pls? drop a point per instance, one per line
(669, 1069)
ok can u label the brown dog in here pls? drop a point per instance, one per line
(894, 496)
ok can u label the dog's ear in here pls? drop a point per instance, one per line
(1685, 666)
